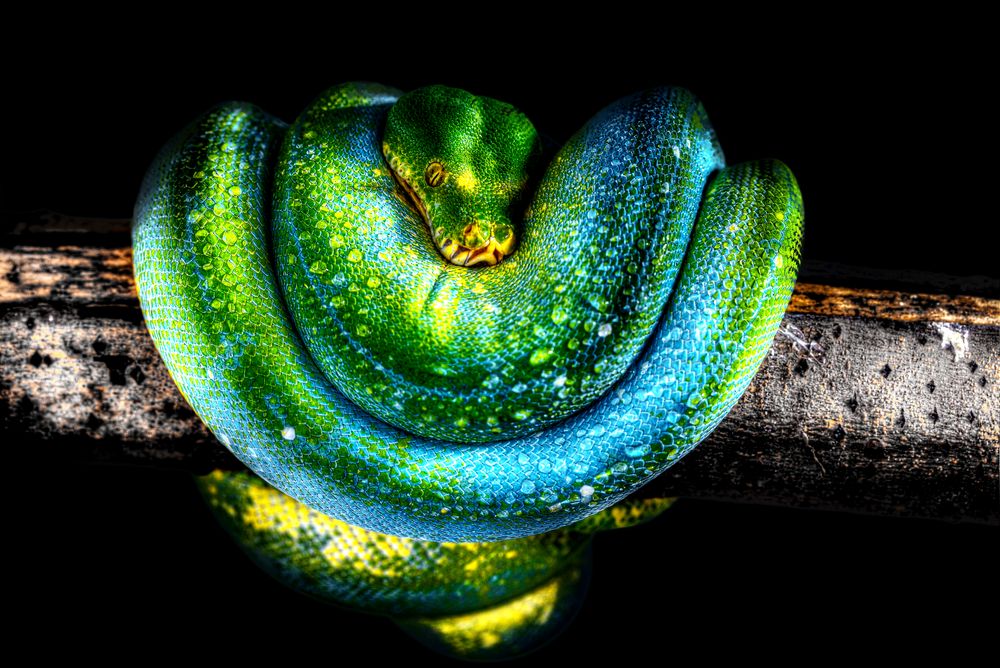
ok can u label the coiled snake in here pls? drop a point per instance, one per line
(451, 339)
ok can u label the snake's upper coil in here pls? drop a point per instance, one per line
(646, 286)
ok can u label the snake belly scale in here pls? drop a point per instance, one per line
(406, 394)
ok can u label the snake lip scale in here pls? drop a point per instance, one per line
(306, 313)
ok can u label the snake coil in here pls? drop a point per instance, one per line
(357, 370)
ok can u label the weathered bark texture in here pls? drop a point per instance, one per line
(874, 399)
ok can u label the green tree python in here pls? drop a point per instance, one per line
(469, 600)
(401, 312)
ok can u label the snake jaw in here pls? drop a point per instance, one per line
(401, 175)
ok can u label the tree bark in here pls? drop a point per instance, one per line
(879, 395)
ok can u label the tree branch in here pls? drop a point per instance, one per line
(878, 395)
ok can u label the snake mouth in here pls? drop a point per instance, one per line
(399, 174)
(488, 254)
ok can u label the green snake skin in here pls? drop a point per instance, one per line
(621, 299)
(468, 600)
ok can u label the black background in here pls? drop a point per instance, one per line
(879, 136)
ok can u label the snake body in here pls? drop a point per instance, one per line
(470, 600)
(646, 286)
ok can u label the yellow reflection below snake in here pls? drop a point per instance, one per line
(469, 600)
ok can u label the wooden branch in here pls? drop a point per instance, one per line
(881, 400)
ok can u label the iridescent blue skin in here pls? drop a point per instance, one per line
(685, 349)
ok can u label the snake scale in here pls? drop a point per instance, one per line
(403, 313)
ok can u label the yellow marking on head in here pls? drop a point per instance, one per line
(466, 181)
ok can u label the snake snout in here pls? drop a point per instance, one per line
(479, 242)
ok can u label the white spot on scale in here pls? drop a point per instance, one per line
(586, 491)
(288, 433)
(560, 381)
(604, 330)
(677, 151)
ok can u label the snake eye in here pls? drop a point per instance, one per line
(434, 176)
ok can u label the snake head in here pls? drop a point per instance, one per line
(465, 160)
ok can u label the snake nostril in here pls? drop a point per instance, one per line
(477, 233)
(473, 236)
